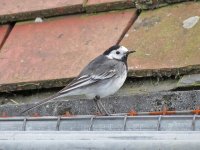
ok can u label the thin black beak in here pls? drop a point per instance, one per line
(129, 52)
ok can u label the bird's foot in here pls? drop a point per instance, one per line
(100, 105)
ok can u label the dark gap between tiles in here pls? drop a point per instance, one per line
(85, 3)
(130, 23)
(11, 25)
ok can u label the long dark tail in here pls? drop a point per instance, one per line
(40, 103)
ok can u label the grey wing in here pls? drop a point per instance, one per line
(99, 69)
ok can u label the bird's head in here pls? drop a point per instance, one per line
(118, 52)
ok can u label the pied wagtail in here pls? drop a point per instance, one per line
(102, 77)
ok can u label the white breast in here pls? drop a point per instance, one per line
(112, 86)
(117, 84)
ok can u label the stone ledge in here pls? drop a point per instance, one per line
(93, 6)
(187, 81)
(177, 100)
(165, 72)
(152, 4)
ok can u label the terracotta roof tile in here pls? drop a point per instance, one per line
(161, 41)
(58, 48)
(18, 10)
(22, 9)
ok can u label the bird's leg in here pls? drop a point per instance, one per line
(99, 104)
(96, 98)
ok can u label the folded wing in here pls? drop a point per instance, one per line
(86, 80)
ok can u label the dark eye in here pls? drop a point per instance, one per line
(117, 52)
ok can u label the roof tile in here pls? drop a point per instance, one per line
(160, 39)
(58, 48)
(23, 9)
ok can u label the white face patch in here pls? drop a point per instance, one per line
(118, 53)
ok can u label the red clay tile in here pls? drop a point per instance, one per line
(58, 48)
(28, 9)
(161, 41)
(3, 32)
(15, 6)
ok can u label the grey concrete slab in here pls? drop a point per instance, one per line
(99, 140)
(192, 80)
(154, 101)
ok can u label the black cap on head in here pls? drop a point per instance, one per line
(111, 49)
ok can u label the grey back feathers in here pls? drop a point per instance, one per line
(98, 69)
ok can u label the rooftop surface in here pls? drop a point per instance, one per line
(44, 45)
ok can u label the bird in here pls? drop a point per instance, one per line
(102, 77)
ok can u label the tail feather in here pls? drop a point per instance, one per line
(48, 99)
